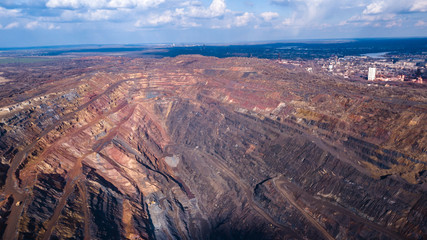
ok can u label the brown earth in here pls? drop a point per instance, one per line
(198, 147)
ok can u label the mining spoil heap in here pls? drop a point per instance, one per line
(198, 147)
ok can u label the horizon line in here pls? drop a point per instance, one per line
(184, 44)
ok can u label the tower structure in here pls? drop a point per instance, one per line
(371, 74)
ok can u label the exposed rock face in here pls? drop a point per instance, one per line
(204, 148)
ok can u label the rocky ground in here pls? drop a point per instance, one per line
(198, 147)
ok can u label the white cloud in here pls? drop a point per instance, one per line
(12, 25)
(397, 23)
(321, 13)
(268, 16)
(421, 23)
(4, 12)
(165, 17)
(243, 20)
(190, 3)
(90, 15)
(75, 3)
(289, 21)
(386, 13)
(52, 26)
(134, 3)
(375, 7)
(419, 6)
(216, 9)
(193, 14)
(180, 14)
(176, 18)
(96, 4)
(298, 14)
(36, 24)
(99, 14)
(32, 25)
(309, 12)
(371, 18)
(387, 20)
(395, 6)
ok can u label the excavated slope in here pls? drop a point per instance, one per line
(197, 147)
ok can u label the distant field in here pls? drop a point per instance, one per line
(6, 60)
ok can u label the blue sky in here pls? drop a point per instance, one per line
(60, 22)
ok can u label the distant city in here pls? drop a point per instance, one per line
(387, 68)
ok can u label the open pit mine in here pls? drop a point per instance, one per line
(198, 147)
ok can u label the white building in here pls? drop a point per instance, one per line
(371, 74)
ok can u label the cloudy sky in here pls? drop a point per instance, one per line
(60, 22)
